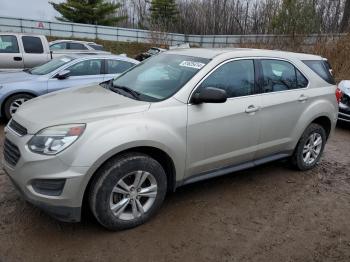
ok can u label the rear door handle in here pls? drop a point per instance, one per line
(17, 58)
(303, 98)
(252, 109)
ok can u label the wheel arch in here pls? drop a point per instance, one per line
(158, 154)
(325, 122)
(13, 94)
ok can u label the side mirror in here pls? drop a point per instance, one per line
(209, 95)
(63, 74)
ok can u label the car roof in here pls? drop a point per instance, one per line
(73, 41)
(211, 53)
(22, 34)
(116, 57)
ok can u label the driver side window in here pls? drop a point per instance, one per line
(87, 67)
(236, 78)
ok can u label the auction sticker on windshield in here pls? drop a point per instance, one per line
(192, 64)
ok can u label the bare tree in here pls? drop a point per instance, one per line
(205, 17)
(346, 16)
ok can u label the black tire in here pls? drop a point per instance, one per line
(10, 100)
(297, 160)
(108, 176)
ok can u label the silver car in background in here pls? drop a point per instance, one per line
(58, 74)
(75, 45)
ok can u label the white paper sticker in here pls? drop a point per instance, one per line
(192, 64)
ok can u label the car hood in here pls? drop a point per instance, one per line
(11, 77)
(75, 105)
(345, 86)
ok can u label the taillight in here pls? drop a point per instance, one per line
(338, 94)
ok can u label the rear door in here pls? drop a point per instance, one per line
(114, 67)
(284, 98)
(10, 54)
(33, 54)
(82, 73)
(225, 134)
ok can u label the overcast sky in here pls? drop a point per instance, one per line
(34, 9)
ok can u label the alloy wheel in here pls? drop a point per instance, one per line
(16, 104)
(133, 195)
(312, 148)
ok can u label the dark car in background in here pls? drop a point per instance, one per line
(151, 52)
(344, 105)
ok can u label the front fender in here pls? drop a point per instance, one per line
(104, 139)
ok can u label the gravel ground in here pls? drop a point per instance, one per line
(268, 213)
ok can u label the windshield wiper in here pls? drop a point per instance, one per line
(27, 70)
(128, 90)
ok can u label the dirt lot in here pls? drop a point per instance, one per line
(269, 213)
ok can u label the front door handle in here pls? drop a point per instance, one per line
(252, 109)
(17, 58)
(303, 98)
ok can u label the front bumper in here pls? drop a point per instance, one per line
(344, 113)
(33, 167)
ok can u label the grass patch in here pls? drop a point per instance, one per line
(129, 48)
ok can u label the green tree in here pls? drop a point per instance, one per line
(164, 13)
(296, 17)
(98, 12)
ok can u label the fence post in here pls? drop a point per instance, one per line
(21, 24)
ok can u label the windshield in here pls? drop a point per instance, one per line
(50, 66)
(160, 77)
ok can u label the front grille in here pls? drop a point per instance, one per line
(19, 129)
(11, 152)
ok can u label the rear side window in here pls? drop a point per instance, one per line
(118, 66)
(77, 46)
(32, 45)
(280, 76)
(58, 46)
(96, 47)
(8, 44)
(322, 68)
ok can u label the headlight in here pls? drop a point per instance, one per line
(53, 140)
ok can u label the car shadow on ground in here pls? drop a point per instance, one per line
(184, 199)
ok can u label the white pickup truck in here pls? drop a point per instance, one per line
(21, 50)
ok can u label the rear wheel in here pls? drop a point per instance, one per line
(310, 147)
(127, 191)
(13, 103)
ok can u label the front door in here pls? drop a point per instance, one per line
(225, 134)
(82, 73)
(10, 54)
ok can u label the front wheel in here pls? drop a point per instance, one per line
(310, 147)
(127, 191)
(13, 103)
